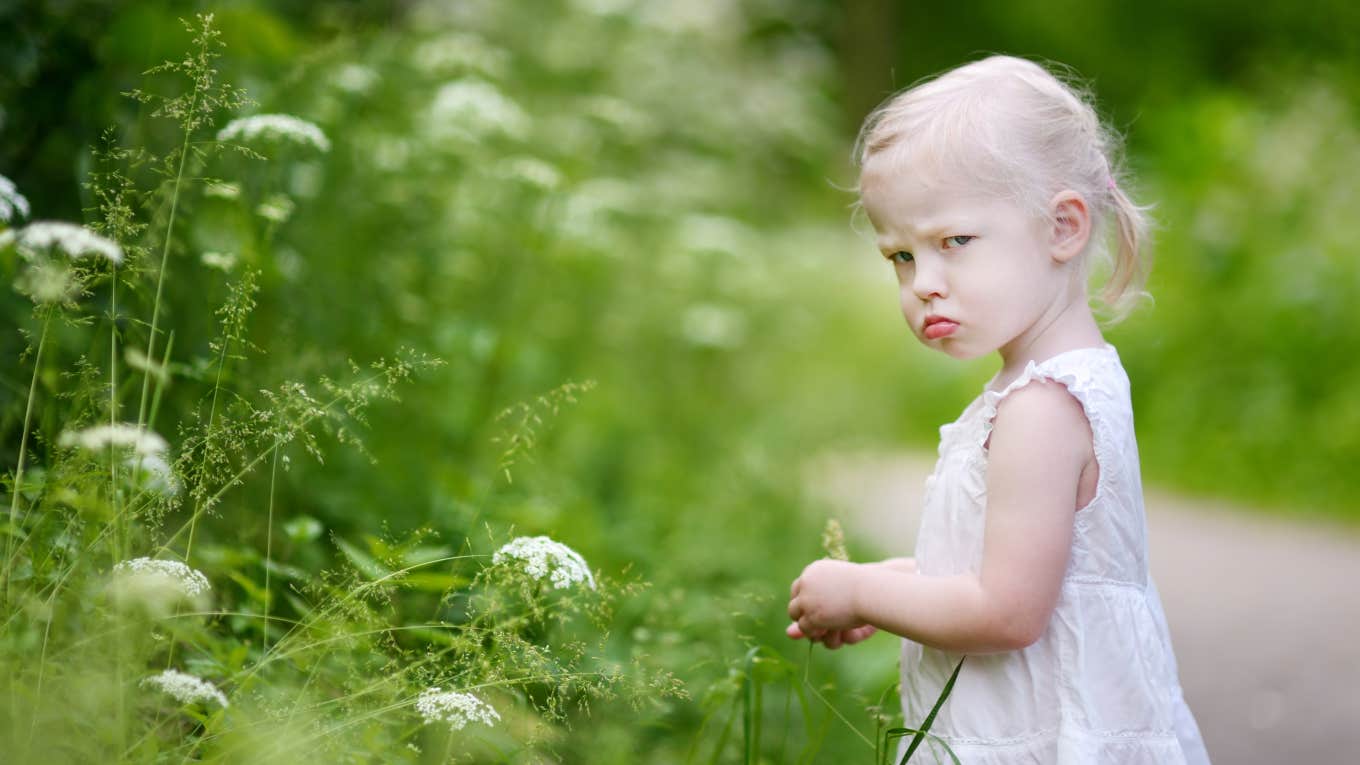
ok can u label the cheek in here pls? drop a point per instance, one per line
(907, 300)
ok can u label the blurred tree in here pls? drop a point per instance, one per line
(1136, 52)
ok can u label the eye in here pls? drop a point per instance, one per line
(950, 242)
(900, 257)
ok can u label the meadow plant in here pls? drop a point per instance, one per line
(454, 709)
(101, 437)
(186, 688)
(544, 558)
(275, 127)
(13, 205)
(118, 540)
(70, 238)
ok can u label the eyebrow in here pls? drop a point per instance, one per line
(930, 230)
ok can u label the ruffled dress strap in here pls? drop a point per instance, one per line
(1089, 374)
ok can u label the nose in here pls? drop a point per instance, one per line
(927, 280)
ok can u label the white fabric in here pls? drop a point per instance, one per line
(1100, 685)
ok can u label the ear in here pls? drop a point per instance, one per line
(1071, 225)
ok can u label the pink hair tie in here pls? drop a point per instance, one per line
(1110, 182)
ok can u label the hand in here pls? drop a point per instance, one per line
(822, 600)
(834, 639)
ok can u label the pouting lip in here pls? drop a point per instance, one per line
(934, 318)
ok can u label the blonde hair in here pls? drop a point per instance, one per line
(1016, 127)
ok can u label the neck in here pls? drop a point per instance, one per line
(1068, 326)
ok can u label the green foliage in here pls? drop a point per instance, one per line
(1246, 364)
(480, 234)
(629, 288)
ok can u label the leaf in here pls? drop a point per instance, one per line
(930, 718)
(433, 582)
(362, 560)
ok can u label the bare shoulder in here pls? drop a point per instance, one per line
(1043, 415)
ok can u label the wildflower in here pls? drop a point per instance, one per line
(275, 127)
(355, 78)
(532, 171)
(619, 114)
(277, 208)
(11, 201)
(456, 709)
(185, 687)
(47, 281)
(460, 52)
(223, 261)
(715, 233)
(143, 442)
(190, 582)
(589, 208)
(544, 557)
(222, 190)
(474, 109)
(76, 241)
(713, 326)
(153, 473)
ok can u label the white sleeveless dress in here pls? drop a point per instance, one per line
(1100, 685)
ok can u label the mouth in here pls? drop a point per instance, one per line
(937, 327)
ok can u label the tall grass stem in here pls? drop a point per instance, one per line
(16, 489)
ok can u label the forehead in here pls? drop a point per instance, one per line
(907, 199)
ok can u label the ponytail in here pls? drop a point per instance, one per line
(1125, 287)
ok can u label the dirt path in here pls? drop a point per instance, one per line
(1264, 613)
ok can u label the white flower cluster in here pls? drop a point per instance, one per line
(456, 709)
(474, 109)
(275, 126)
(459, 52)
(223, 261)
(276, 208)
(70, 238)
(11, 201)
(532, 171)
(152, 472)
(185, 687)
(189, 581)
(143, 442)
(355, 78)
(713, 326)
(543, 557)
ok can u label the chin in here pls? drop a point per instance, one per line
(960, 351)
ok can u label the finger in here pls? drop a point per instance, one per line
(795, 587)
(793, 631)
(833, 640)
(809, 630)
(795, 610)
(859, 634)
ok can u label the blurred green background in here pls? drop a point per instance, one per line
(651, 196)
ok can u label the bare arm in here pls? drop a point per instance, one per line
(1040, 443)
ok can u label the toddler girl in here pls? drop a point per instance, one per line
(989, 188)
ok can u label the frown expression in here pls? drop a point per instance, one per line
(978, 262)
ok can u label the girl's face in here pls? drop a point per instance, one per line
(974, 271)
